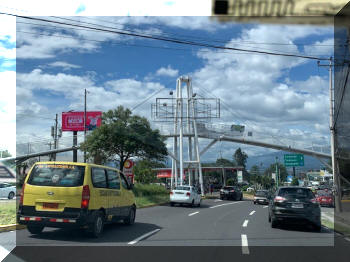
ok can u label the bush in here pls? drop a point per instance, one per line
(230, 182)
(149, 190)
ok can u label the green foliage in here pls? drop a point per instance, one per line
(240, 157)
(149, 190)
(282, 171)
(295, 182)
(143, 171)
(124, 135)
(230, 182)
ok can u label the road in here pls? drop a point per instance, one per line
(217, 226)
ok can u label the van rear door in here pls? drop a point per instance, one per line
(53, 187)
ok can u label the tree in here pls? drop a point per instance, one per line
(143, 171)
(282, 171)
(295, 182)
(122, 136)
(240, 157)
(223, 162)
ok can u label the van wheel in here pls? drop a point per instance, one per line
(33, 229)
(131, 218)
(96, 228)
(11, 195)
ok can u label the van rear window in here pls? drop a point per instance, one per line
(60, 175)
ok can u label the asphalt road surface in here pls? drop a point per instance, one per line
(216, 229)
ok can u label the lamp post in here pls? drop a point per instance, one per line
(84, 123)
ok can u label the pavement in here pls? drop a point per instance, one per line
(216, 231)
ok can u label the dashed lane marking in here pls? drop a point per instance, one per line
(265, 206)
(245, 223)
(193, 213)
(245, 248)
(217, 200)
(251, 213)
(224, 204)
(143, 236)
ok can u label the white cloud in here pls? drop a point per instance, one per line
(167, 71)
(321, 48)
(64, 65)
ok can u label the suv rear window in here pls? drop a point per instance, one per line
(296, 192)
(261, 193)
(59, 175)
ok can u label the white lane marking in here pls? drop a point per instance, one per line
(3, 253)
(193, 213)
(143, 236)
(217, 200)
(347, 239)
(251, 213)
(224, 204)
(265, 206)
(245, 248)
(245, 223)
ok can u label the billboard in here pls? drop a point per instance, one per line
(74, 121)
(128, 171)
(239, 176)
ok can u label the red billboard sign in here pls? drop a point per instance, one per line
(74, 121)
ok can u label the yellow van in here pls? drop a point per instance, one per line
(69, 194)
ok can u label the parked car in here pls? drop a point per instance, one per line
(185, 195)
(231, 192)
(7, 174)
(295, 205)
(69, 194)
(325, 198)
(7, 190)
(261, 197)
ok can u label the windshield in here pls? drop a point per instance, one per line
(186, 188)
(60, 175)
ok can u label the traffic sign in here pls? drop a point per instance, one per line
(294, 160)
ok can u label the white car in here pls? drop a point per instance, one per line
(185, 195)
(7, 191)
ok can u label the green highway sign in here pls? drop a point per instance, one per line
(294, 160)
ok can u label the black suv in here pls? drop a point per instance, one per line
(295, 205)
(231, 192)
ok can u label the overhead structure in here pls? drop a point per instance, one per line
(185, 112)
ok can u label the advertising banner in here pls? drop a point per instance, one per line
(74, 121)
(128, 171)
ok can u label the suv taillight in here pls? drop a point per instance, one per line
(85, 197)
(279, 199)
(188, 194)
(22, 194)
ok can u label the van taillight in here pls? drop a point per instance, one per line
(85, 198)
(22, 193)
(188, 194)
(171, 192)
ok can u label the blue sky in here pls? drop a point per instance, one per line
(272, 96)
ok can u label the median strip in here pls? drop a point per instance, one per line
(245, 223)
(245, 248)
(143, 236)
(251, 213)
(193, 213)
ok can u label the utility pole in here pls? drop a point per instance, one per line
(336, 179)
(84, 123)
(277, 175)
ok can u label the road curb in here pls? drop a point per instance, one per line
(11, 227)
(154, 205)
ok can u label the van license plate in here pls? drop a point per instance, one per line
(50, 205)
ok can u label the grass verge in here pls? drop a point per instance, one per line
(7, 213)
(145, 201)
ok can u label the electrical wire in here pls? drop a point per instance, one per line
(165, 39)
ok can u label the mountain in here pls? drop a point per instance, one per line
(264, 161)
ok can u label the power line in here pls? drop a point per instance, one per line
(167, 39)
